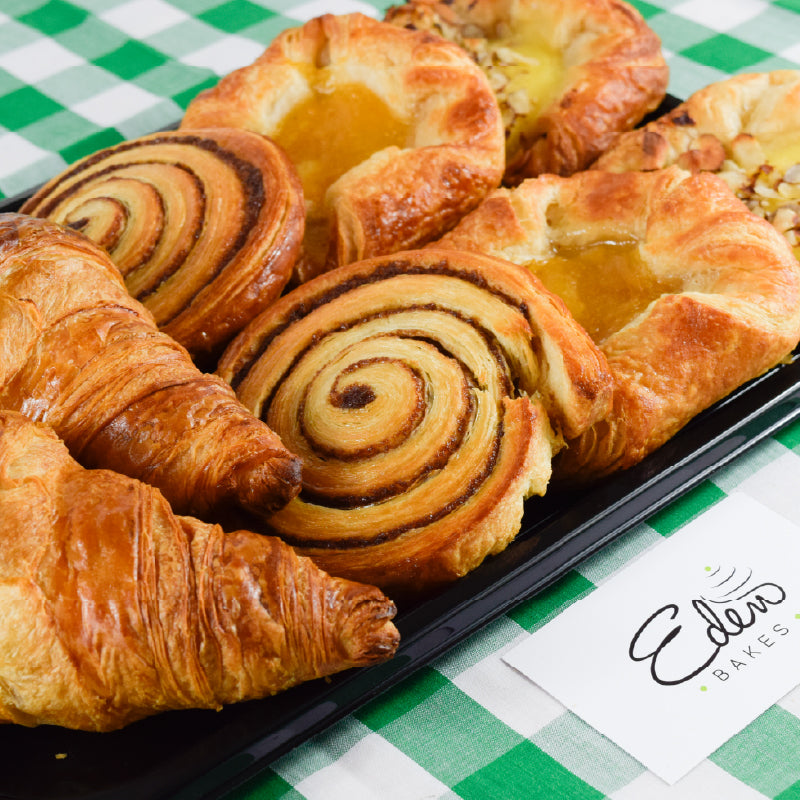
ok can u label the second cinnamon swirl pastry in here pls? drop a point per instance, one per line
(426, 393)
(205, 225)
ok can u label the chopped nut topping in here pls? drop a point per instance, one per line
(768, 192)
(496, 59)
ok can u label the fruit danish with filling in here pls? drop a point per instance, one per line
(114, 608)
(687, 293)
(205, 226)
(744, 129)
(569, 75)
(80, 354)
(396, 134)
(426, 392)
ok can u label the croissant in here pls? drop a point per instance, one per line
(205, 226)
(426, 393)
(114, 608)
(78, 353)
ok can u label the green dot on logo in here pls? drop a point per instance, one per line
(708, 569)
(704, 688)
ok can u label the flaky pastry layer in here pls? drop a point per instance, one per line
(735, 313)
(426, 393)
(80, 354)
(607, 70)
(114, 608)
(205, 226)
(744, 129)
(404, 194)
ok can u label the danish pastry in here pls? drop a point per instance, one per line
(115, 609)
(687, 293)
(205, 226)
(744, 129)
(395, 134)
(568, 74)
(419, 390)
(80, 354)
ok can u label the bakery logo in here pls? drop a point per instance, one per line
(724, 629)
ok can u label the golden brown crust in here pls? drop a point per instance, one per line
(403, 195)
(736, 315)
(155, 203)
(417, 389)
(742, 128)
(115, 609)
(79, 353)
(614, 71)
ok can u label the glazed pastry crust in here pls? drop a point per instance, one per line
(426, 393)
(730, 128)
(114, 608)
(614, 71)
(737, 315)
(80, 354)
(401, 196)
(205, 226)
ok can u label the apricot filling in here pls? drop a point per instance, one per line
(605, 285)
(336, 127)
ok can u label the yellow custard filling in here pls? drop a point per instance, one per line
(782, 152)
(532, 77)
(604, 285)
(764, 172)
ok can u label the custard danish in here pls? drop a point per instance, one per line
(569, 75)
(426, 393)
(204, 225)
(744, 129)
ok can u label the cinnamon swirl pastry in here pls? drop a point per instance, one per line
(569, 75)
(687, 293)
(744, 129)
(205, 226)
(395, 134)
(425, 393)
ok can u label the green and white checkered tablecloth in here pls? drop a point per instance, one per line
(76, 76)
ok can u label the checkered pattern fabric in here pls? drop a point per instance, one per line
(76, 76)
(81, 75)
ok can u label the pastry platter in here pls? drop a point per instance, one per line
(192, 754)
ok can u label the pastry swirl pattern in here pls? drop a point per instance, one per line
(415, 390)
(205, 226)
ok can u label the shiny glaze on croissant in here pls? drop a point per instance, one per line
(113, 608)
(77, 352)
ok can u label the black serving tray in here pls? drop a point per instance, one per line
(205, 754)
